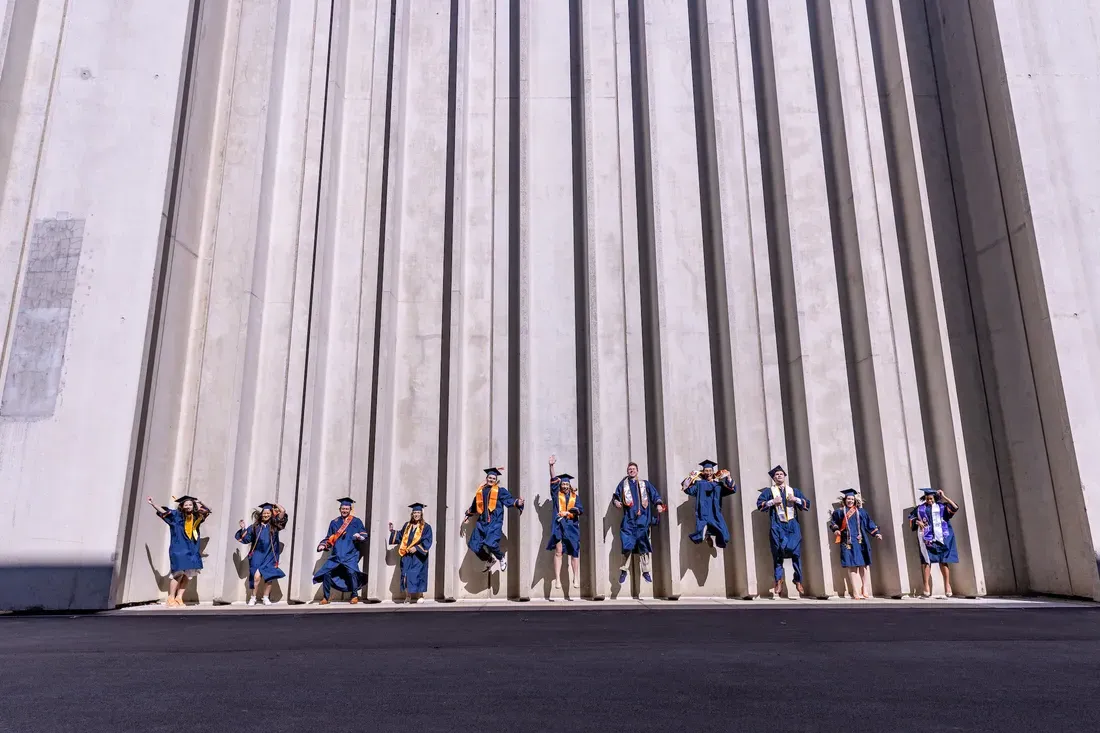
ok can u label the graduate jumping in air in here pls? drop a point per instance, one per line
(488, 507)
(642, 508)
(183, 543)
(853, 528)
(565, 527)
(341, 570)
(783, 502)
(413, 541)
(708, 486)
(262, 536)
(931, 520)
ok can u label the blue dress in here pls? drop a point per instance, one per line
(855, 537)
(183, 551)
(414, 563)
(634, 530)
(263, 557)
(566, 530)
(937, 539)
(708, 509)
(786, 534)
(341, 570)
(485, 537)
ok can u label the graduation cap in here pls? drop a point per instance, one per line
(186, 498)
(492, 471)
(565, 477)
(267, 505)
(416, 506)
(848, 492)
(926, 492)
(708, 464)
(776, 470)
(346, 501)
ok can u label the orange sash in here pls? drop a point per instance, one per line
(844, 522)
(331, 541)
(479, 499)
(406, 546)
(565, 504)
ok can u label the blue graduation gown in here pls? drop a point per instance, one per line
(264, 555)
(183, 551)
(485, 537)
(566, 530)
(342, 566)
(785, 537)
(708, 509)
(855, 540)
(932, 550)
(414, 565)
(634, 530)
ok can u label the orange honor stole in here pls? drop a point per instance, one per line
(479, 500)
(406, 546)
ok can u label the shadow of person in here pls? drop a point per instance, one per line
(191, 595)
(544, 564)
(908, 538)
(162, 581)
(762, 545)
(693, 558)
(612, 523)
(470, 571)
(276, 594)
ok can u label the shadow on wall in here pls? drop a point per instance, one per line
(544, 561)
(693, 558)
(191, 595)
(612, 521)
(73, 587)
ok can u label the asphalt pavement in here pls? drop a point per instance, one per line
(845, 669)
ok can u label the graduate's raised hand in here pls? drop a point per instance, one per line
(391, 526)
(553, 460)
(150, 500)
(242, 524)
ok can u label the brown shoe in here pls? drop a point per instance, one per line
(324, 601)
(354, 599)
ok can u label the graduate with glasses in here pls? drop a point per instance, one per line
(341, 569)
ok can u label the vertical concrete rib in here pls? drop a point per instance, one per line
(407, 437)
(683, 366)
(607, 192)
(547, 365)
(757, 416)
(473, 352)
(816, 398)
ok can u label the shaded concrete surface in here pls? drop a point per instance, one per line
(773, 667)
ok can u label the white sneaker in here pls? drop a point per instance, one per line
(576, 582)
(267, 601)
(252, 601)
(503, 564)
(557, 584)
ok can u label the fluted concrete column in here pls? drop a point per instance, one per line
(758, 415)
(548, 316)
(408, 442)
(474, 346)
(822, 440)
(338, 399)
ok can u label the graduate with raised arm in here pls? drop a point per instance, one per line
(413, 541)
(853, 529)
(565, 527)
(183, 543)
(341, 569)
(709, 486)
(783, 502)
(262, 536)
(931, 520)
(488, 507)
(642, 508)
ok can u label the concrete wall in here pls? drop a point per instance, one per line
(371, 248)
